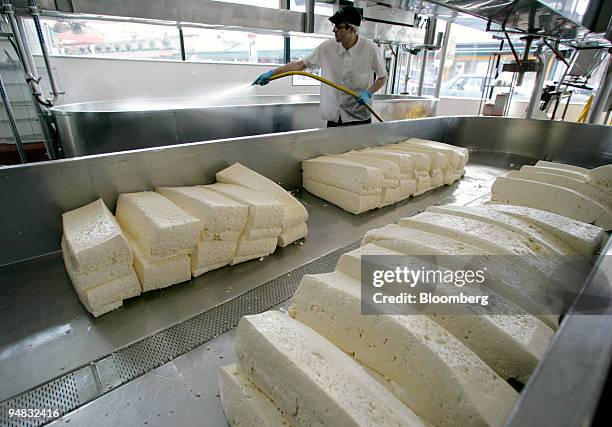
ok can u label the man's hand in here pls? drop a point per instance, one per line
(264, 79)
(364, 97)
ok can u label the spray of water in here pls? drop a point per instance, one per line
(221, 96)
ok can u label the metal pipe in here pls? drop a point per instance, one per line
(11, 118)
(408, 69)
(182, 42)
(422, 76)
(43, 47)
(603, 94)
(447, 30)
(26, 46)
(309, 16)
(536, 93)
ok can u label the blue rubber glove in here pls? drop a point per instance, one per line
(364, 97)
(264, 79)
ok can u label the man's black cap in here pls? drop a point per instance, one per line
(348, 14)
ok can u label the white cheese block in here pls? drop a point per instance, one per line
(295, 212)
(260, 233)
(555, 165)
(578, 186)
(550, 198)
(292, 234)
(244, 404)
(408, 186)
(218, 214)
(555, 170)
(345, 174)
(437, 177)
(402, 160)
(461, 151)
(601, 178)
(156, 225)
(510, 341)
(446, 384)
(210, 255)
(453, 158)
(523, 286)
(252, 249)
(423, 182)
(90, 278)
(586, 239)
(551, 243)
(93, 238)
(98, 298)
(162, 272)
(389, 169)
(390, 196)
(103, 310)
(265, 211)
(311, 381)
(439, 160)
(350, 202)
(421, 161)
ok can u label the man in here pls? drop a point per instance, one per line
(350, 61)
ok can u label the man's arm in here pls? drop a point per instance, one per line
(378, 83)
(292, 66)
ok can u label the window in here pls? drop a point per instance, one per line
(301, 47)
(273, 4)
(106, 39)
(321, 8)
(232, 46)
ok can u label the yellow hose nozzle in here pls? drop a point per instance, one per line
(330, 83)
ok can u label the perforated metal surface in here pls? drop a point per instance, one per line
(60, 394)
(143, 356)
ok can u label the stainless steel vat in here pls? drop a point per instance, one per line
(105, 127)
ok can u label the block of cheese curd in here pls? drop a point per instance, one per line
(295, 212)
(93, 239)
(445, 383)
(103, 298)
(586, 239)
(253, 249)
(461, 155)
(601, 178)
(344, 174)
(161, 272)
(309, 379)
(581, 187)
(553, 198)
(551, 243)
(290, 235)
(222, 218)
(519, 285)
(431, 162)
(556, 170)
(265, 212)
(244, 404)
(556, 165)
(407, 178)
(89, 278)
(503, 335)
(156, 225)
(347, 200)
(211, 254)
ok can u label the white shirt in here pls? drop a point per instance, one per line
(353, 68)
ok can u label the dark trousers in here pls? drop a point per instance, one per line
(340, 123)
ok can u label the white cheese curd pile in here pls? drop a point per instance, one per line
(361, 180)
(447, 369)
(166, 237)
(571, 191)
(98, 258)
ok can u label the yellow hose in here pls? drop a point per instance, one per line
(584, 114)
(330, 83)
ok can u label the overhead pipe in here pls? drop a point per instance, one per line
(12, 122)
(602, 97)
(443, 52)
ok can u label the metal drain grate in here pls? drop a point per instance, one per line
(60, 394)
(71, 390)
